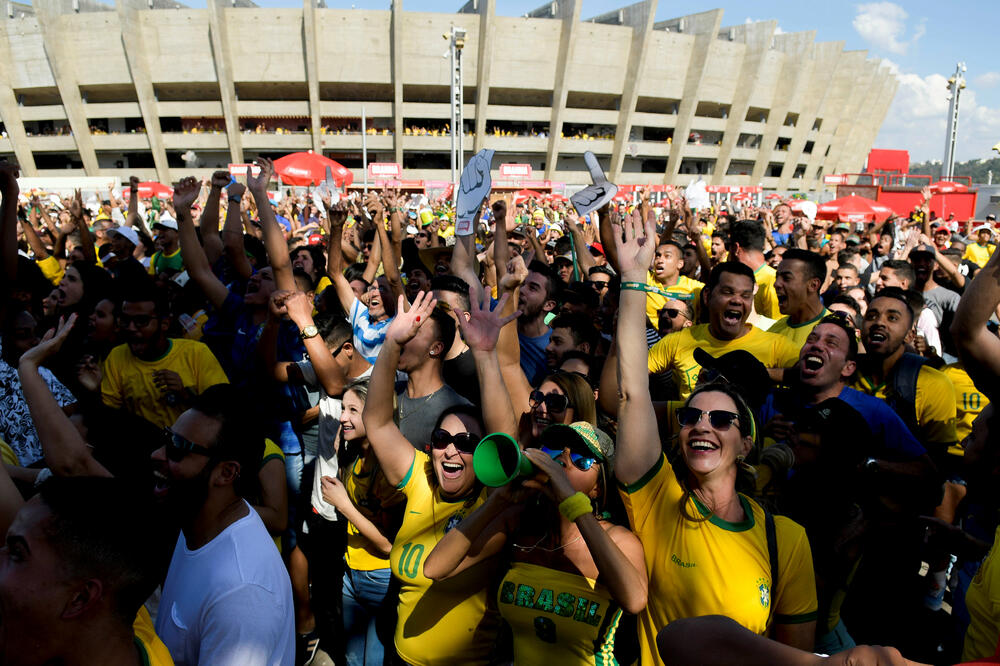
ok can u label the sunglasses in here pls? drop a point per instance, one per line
(554, 402)
(465, 442)
(177, 447)
(598, 285)
(581, 462)
(720, 419)
(670, 312)
(140, 321)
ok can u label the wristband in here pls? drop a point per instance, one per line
(574, 506)
(235, 199)
(642, 286)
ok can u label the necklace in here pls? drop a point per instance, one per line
(528, 549)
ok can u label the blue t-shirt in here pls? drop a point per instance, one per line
(533, 361)
(368, 335)
(897, 442)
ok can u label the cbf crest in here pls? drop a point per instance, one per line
(764, 590)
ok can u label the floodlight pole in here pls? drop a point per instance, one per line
(456, 41)
(364, 146)
(955, 85)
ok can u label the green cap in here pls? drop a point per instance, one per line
(596, 441)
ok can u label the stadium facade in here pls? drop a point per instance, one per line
(157, 89)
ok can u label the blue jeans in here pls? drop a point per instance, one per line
(364, 594)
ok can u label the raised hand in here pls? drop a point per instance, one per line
(258, 184)
(276, 306)
(220, 179)
(338, 215)
(405, 325)
(133, 183)
(51, 342)
(635, 245)
(185, 194)
(299, 308)
(76, 205)
(552, 480)
(482, 330)
(517, 273)
(236, 189)
(8, 180)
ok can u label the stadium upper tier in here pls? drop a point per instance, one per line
(160, 90)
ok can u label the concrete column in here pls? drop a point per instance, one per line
(396, 40)
(860, 79)
(310, 31)
(757, 37)
(134, 45)
(834, 99)
(56, 35)
(9, 110)
(640, 17)
(569, 14)
(860, 139)
(822, 62)
(221, 54)
(795, 46)
(705, 27)
(484, 66)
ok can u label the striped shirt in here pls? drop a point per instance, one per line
(368, 335)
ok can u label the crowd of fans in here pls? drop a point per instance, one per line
(239, 428)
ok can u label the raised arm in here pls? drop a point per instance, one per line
(461, 259)
(638, 438)
(584, 259)
(390, 260)
(508, 345)
(274, 238)
(232, 232)
(337, 215)
(979, 348)
(299, 308)
(374, 259)
(605, 221)
(481, 332)
(394, 452)
(34, 242)
(66, 452)
(502, 217)
(133, 219)
(86, 240)
(8, 221)
(694, 235)
(195, 261)
(209, 222)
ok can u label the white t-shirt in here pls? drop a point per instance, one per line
(228, 603)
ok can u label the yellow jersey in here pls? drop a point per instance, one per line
(934, 404)
(675, 352)
(979, 254)
(439, 622)
(128, 380)
(797, 333)
(373, 495)
(151, 648)
(714, 567)
(557, 617)
(685, 289)
(968, 402)
(765, 301)
(51, 269)
(983, 602)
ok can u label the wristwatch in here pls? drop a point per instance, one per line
(309, 331)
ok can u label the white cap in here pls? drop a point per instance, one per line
(983, 227)
(128, 233)
(412, 230)
(166, 222)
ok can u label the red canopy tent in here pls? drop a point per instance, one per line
(150, 189)
(304, 169)
(853, 209)
(523, 195)
(947, 187)
(772, 195)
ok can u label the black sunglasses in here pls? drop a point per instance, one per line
(178, 447)
(140, 321)
(598, 285)
(465, 442)
(554, 402)
(720, 419)
(670, 312)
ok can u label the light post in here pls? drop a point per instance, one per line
(955, 85)
(456, 41)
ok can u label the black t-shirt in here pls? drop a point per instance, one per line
(460, 374)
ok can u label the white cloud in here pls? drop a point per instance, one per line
(917, 119)
(883, 25)
(987, 80)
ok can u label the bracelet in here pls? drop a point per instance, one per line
(574, 506)
(641, 286)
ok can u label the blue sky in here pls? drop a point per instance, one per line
(922, 40)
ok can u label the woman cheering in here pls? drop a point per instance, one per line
(709, 549)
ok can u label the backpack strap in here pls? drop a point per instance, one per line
(772, 556)
(903, 399)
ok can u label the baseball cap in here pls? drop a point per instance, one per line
(738, 367)
(519, 231)
(128, 233)
(983, 227)
(597, 247)
(922, 249)
(564, 257)
(538, 214)
(166, 222)
(560, 435)
(991, 218)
